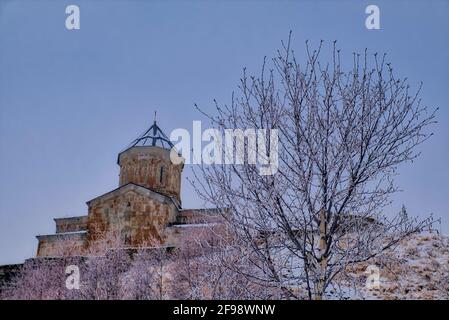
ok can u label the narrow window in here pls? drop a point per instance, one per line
(126, 235)
(161, 175)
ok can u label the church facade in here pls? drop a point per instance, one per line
(145, 208)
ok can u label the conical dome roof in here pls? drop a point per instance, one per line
(154, 136)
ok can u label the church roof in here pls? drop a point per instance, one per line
(154, 136)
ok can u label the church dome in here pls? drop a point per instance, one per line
(146, 162)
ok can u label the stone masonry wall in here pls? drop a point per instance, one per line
(71, 224)
(135, 216)
(61, 245)
(152, 168)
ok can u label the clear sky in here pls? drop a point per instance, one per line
(71, 100)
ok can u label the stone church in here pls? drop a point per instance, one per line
(145, 207)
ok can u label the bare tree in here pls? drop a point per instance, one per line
(205, 268)
(150, 274)
(342, 136)
(39, 279)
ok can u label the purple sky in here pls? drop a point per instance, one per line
(71, 100)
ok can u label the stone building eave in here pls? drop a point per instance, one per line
(69, 218)
(138, 188)
(65, 235)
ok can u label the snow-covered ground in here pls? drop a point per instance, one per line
(418, 268)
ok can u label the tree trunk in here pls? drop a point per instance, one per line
(323, 258)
